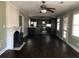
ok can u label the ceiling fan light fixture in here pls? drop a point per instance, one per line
(44, 8)
(43, 11)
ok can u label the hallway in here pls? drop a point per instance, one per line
(41, 28)
(42, 46)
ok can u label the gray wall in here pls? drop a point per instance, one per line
(72, 41)
(26, 25)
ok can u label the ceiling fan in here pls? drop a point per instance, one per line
(44, 8)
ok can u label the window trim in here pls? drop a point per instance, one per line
(73, 36)
(58, 24)
(67, 27)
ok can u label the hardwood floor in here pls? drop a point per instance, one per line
(43, 46)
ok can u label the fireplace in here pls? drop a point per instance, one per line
(10, 37)
(18, 39)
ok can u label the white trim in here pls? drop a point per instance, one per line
(59, 37)
(3, 50)
(19, 48)
(24, 35)
(75, 48)
(74, 37)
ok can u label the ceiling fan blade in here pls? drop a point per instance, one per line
(43, 2)
(50, 10)
(43, 6)
(40, 11)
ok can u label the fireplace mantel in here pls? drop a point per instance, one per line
(10, 36)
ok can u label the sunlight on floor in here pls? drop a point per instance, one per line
(29, 42)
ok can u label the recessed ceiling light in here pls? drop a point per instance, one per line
(61, 2)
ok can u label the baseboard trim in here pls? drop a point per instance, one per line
(2, 51)
(59, 37)
(19, 48)
(76, 49)
(24, 35)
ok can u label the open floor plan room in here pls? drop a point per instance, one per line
(39, 29)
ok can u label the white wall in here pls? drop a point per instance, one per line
(72, 41)
(9, 23)
(26, 25)
(12, 23)
(12, 15)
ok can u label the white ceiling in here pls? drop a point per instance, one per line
(32, 8)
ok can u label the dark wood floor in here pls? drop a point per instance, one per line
(43, 46)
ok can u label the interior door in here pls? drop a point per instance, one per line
(45, 26)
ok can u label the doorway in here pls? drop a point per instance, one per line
(43, 25)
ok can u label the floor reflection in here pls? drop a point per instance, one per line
(29, 42)
(43, 46)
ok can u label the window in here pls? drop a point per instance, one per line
(64, 34)
(58, 24)
(48, 25)
(29, 22)
(35, 24)
(32, 22)
(65, 27)
(75, 29)
(43, 22)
